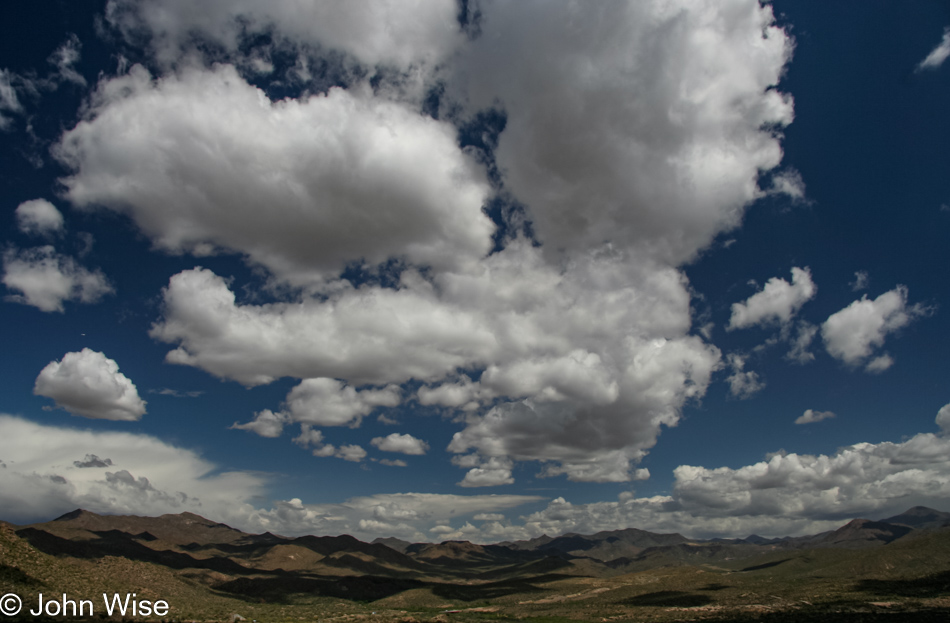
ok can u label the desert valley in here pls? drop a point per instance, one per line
(895, 569)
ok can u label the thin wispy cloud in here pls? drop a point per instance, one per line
(938, 55)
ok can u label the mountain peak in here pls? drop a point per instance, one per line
(920, 518)
(864, 532)
(79, 513)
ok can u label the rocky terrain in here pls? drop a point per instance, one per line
(897, 568)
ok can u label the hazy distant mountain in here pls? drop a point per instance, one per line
(393, 543)
(755, 539)
(529, 544)
(463, 553)
(920, 518)
(608, 545)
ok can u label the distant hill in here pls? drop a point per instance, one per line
(211, 569)
(393, 543)
(188, 541)
(180, 529)
(604, 546)
(859, 533)
(920, 518)
(755, 539)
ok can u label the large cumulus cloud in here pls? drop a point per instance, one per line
(635, 122)
(634, 133)
(538, 333)
(387, 32)
(301, 186)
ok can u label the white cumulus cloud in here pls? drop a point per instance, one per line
(856, 480)
(353, 453)
(386, 32)
(493, 472)
(810, 416)
(49, 470)
(266, 423)
(89, 384)
(349, 336)
(38, 217)
(303, 187)
(462, 393)
(321, 402)
(46, 279)
(943, 419)
(327, 402)
(639, 122)
(879, 364)
(536, 331)
(786, 494)
(405, 444)
(634, 134)
(308, 437)
(854, 333)
(776, 303)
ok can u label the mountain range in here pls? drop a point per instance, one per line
(201, 563)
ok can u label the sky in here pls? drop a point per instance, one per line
(478, 270)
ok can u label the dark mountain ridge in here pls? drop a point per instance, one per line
(189, 555)
(170, 537)
(920, 518)
(181, 529)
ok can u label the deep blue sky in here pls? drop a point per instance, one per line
(868, 145)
